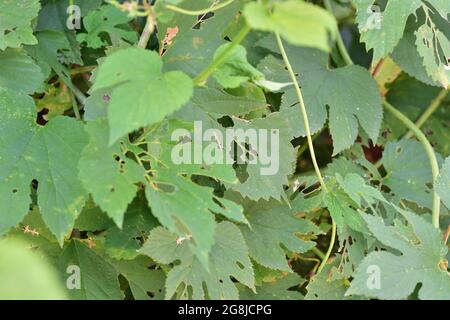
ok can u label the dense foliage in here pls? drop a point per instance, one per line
(353, 94)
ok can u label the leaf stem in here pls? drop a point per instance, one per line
(198, 12)
(222, 58)
(428, 112)
(310, 144)
(318, 253)
(339, 41)
(430, 153)
(75, 106)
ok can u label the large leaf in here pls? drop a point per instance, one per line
(274, 230)
(19, 72)
(407, 179)
(98, 278)
(49, 154)
(142, 94)
(271, 158)
(350, 92)
(382, 31)
(107, 174)
(124, 243)
(228, 258)
(421, 260)
(145, 283)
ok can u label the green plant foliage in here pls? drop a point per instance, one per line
(300, 23)
(229, 257)
(421, 261)
(38, 279)
(229, 149)
(105, 19)
(172, 89)
(15, 22)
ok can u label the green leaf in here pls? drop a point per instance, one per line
(92, 218)
(409, 60)
(272, 230)
(141, 85)
(357, 189)
(323, 287)
(268, 164)
(124, 243)
(407, 179)
(107, 173)
(228, 258)
(185, 209)
(442, 184)
(276, 290)
(15, 22)
(145, 283)
(25, 275)
(236, 70)
(298, 22)
(53, 51)
(18, 72)
(98, 277)
(105, 20)
(49, 154)
(342, 213)
(421, 261)
(194, 46)
(412, 98)
(350, 92)
(218, 102)
(430, 41)
(382, 31)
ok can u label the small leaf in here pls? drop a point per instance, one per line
(300, 23)
(15, 22)
(105, 20)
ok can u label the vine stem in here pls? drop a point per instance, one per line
(310, 143)
(339, 41)
(222, 58)
(415, 130)
(303, 111)
(147, 32)
(428, 112)
(330, 247)
(430, 153)
(198, 12)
